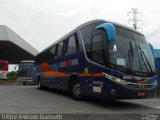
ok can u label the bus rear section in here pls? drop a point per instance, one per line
(25, 72)
(3, 69)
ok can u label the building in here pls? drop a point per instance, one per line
(14, 48)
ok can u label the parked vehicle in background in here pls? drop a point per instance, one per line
(3, 69)
(100, 59)
(25, 72)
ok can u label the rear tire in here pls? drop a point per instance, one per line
(75, 90)
(40, 85)
(24, 83)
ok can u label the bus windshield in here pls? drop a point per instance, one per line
(26, 69)
(4, 65)
(131, 51)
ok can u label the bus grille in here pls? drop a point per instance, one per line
(140, 86)
(134, 86)
(148, 86)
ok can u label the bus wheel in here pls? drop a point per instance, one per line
(24, 83)
(75, 90)
(40, 86)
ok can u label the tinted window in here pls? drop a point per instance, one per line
(87, 33)
(2, 65)
(53, 50)
(97, 49)
(26, 69)
(72, 45)
(123, 51)
(145, 53)
(49, 55)
(59, 50)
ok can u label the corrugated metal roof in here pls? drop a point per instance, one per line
(7, 34)
(3, 33)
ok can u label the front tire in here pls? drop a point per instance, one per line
(75, 90)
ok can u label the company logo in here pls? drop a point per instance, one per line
(69, 63)
(134, 78)
(149, 117)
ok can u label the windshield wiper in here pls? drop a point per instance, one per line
(143, 54)
(130, 56)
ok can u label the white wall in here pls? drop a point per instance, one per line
(12, 67)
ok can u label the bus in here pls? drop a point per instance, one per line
(3, 69)
(25, 72)
(100, 59)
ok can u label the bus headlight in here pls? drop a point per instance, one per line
(119, 81)
(115, 79)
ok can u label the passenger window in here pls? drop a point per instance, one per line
(97, 49)
(53, 50)
(65, 47)
(87, 34)
(52, 53)
(59, 50)
(72, 45)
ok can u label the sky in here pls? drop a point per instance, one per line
(41, 22)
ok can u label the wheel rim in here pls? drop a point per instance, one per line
(76, 90)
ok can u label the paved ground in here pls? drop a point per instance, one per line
(29, 99)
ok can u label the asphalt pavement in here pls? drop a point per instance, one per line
(19, 99)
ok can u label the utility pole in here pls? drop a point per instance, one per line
(134, 19)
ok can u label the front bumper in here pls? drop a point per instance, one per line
(26, 79)
(119, 88)
(121, 92)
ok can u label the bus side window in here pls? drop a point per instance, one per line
(77, 42)
(65, 47)
(53, 51)
(60, 49)
(97, 49)
(73, 45)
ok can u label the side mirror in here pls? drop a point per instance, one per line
(110, 30)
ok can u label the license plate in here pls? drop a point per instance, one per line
(141, 93)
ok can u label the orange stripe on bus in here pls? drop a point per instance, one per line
(61, 74)
(91, 75)
(55, 73)
(45, 67)
(48, 71)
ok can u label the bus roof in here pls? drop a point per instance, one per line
(88, 23)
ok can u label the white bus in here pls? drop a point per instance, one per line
(25, 71)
